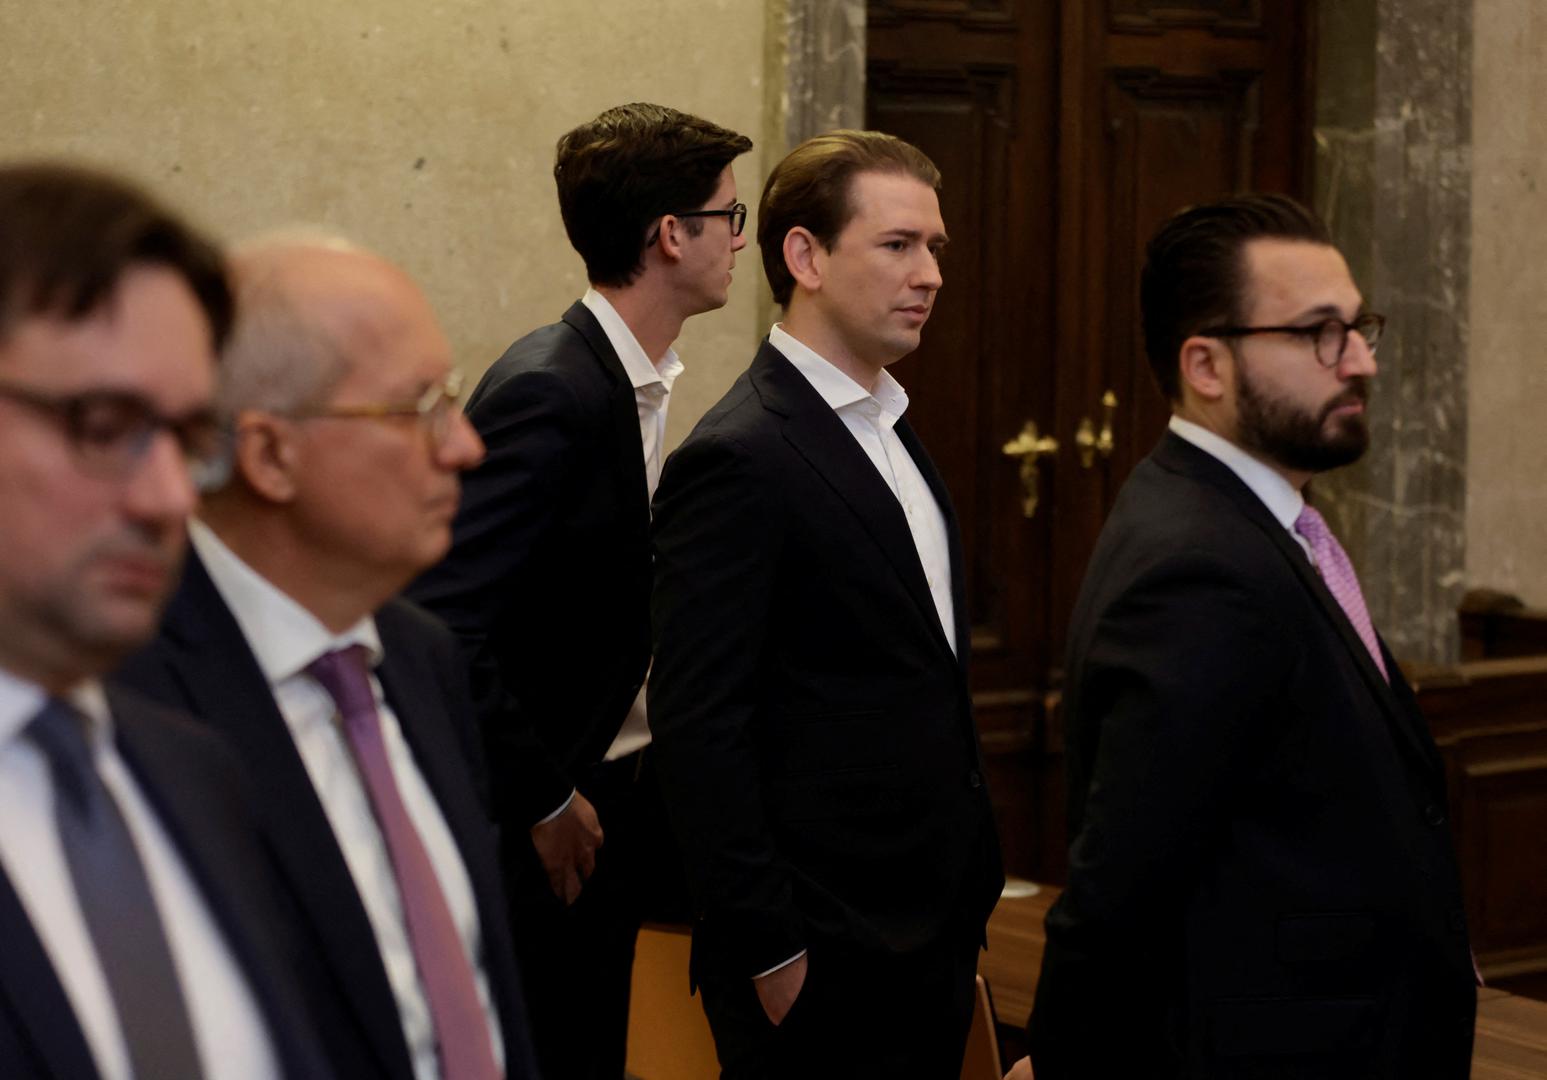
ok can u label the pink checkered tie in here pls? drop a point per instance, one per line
(1338, 574)
(461, 1029)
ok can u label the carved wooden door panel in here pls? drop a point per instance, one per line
(1066, 132)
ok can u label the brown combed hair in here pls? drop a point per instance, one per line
(634, 163)
(811, 188)
(69, 233)
(1194, 272)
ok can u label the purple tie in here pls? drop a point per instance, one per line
(461, 1028)
(1338, 574)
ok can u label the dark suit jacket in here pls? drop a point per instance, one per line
(812, 727)
(196, 789)
(201, 662)
(547, 585)
(1261, 880)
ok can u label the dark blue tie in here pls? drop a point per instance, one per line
(117, 903)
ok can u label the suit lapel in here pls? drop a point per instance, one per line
(1179, 455)
(235, 699)
(819, 436)
(628, 452)
(31, 992)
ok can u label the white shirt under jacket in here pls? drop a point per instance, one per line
(285, 638)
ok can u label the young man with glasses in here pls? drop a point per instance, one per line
(1262, 880)
(349, 707)
(142, 924)
(548, 580)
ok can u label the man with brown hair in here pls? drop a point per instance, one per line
(548, 580)
(809, 700)
(142, 932)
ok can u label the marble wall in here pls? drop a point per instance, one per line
(1394, 171)
(1506, 519)
(422, 128)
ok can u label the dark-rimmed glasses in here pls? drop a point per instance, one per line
(435, 409)
(110, 431)
(1330, 336)
(737, 215)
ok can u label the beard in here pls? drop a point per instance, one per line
(1297, 439)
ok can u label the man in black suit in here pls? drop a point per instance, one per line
(548, 580)
(142, 929)
(809, 700)
(350, 707)
(1261, 880)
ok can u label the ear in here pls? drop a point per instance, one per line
(803, 257)
(671, 239)
(267, 456)
(1207, 367)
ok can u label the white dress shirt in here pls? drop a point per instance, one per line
(229, 1030)
(652, 384)
(1283, 500)
(872, 419)
(285, 638)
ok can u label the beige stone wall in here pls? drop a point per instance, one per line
(422, 128)
(1506, 535)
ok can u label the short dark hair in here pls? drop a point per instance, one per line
(69, 233)
(811, 188)
(632, 164)
(1195, 270)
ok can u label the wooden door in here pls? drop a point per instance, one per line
(1066, 132)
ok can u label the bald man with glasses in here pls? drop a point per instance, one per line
(350, 707)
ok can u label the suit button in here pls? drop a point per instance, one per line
(974, 779)
(1433, 814)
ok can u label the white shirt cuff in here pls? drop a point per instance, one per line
(781, 967)
(563, 806)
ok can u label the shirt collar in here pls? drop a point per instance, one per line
(888, 402)
(1283, 500)
(639, 368)
(283, 635)
(20, 702)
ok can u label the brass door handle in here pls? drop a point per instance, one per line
(1091, 443)
(1029, 448)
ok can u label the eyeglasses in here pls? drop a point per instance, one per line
(110, 431)
(736, 214)
(1330, 336)
(435, 409)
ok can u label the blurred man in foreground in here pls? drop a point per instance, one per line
(141, 927)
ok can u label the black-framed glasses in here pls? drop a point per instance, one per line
(1330, 336)
(110, 431)
(435, 409)
(737, 215)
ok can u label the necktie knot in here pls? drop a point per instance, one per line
(345, 675)
(1311, 525)
(59, 730)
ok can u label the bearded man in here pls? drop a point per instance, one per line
(1261, 881)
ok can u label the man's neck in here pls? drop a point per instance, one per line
(337, 592)
(1217, 422)
(56, 674)
(816, 335)
(651, 313)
